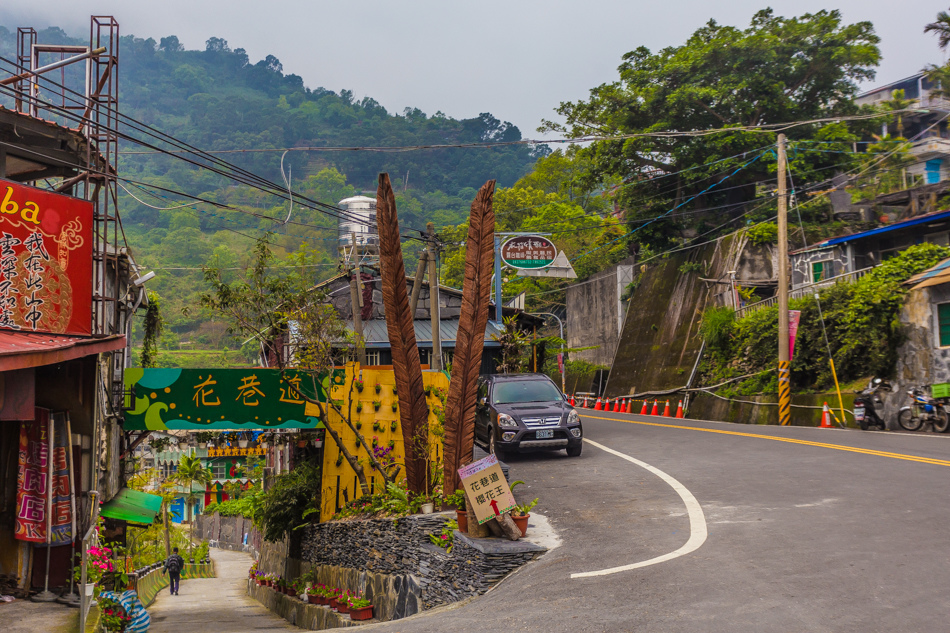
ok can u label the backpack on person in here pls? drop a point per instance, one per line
(174, 564)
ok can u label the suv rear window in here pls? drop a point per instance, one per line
(512, 391)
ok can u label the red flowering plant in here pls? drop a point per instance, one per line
(112, 616)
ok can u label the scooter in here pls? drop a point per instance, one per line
(866, 404)
(923, 409)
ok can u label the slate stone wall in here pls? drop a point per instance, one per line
(425, 575)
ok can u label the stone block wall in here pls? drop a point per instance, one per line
(401, 548)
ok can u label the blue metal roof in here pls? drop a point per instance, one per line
(923, 219)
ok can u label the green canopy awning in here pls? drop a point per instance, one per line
(133, 506)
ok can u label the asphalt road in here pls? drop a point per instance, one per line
(808, 530)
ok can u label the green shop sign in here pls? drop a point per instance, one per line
(234, 399)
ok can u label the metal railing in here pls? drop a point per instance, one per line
(807, 289)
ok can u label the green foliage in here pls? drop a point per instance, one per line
(763, 233)
(861, 321)
(513, 343)
(777, 69)
(153, 326)
(525, 508)
(717, 326)
(285, 504)
(446, 537)
(691, 267)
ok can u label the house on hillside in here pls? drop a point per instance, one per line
(848, 257)
(927, 126)
(924, 358)
(373, 319)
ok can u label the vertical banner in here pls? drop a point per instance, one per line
(33, 468)
(62, 520)
(793, 318)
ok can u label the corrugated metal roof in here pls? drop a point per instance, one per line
(934, 276)
(19, 350)
(376, 335)
(922, 219)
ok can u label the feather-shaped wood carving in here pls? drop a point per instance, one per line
(413, 410)
(466, 365)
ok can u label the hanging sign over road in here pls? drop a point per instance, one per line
(528, 251)
(486, 492)
(232, 399)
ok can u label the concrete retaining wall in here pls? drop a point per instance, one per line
(707, 407)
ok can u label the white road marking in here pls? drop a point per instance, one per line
(697, 521)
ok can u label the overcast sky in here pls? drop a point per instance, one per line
(515, 58)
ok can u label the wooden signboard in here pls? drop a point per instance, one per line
(487, 493)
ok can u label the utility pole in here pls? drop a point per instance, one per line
(434, 308)
(498, 312)
(784, 374)
(356, 299)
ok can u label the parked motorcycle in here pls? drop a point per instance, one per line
(921, 410)
(868, 403)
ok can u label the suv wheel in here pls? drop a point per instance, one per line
(501, 454)
(574, 451)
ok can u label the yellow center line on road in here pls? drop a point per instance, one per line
(838, 447)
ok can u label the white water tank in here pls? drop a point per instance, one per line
(360, 221)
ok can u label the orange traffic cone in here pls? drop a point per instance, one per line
(666, 410)
(584, 404)
(826, 418)
(655, 410)
(643, 410)
(598, 406)
(616, 408)
(679, 409)
(629, 405)
(573, 404)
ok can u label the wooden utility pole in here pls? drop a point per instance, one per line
(356, 299)
(784, 384)
(434, 308)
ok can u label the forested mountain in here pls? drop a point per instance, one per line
(219, 99)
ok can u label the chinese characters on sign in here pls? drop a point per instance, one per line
(45, 261)
(486, 491)
(34, 466)
(528, 251)
(220, 399)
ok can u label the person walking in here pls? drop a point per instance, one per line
(173, 566)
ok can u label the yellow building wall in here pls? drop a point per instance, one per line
(340, 483)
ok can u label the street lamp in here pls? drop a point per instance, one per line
(561, 326)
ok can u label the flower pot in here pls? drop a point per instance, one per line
(291, 592)
(334, 603)
(313, 598)
(427, 508)
(522, 523)
(342, 607)
(363, 613)
(317, 443)
(301, 443)
(242, 443)
(461, 517)
(202, 445)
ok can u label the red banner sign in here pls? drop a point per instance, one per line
(45, 261)
(32, 491)
(794, 316)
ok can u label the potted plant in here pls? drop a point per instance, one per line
(242, 440)
(427, 507)
(427, 390)
(339, 460)
(457, 499)
(393, 426)
(376, 405)
(359, 407)
(358, 383)
(378, 388)
(292, 587)
(203, 437)
(392, 443)
(521, 513)
(360, 608)
(394, 390)
(317, 440)
(395, 406)
(342, 602)
(359, 425)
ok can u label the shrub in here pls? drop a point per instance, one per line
(286, 505)
(717, 326)
(761, 234)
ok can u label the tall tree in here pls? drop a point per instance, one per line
(941, 27)
(777, 70)
(190, 472)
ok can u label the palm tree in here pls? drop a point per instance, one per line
(941, 26)
(896, 103)
(190, 472)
